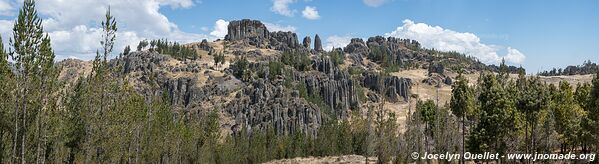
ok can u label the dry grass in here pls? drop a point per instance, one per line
(346, 159)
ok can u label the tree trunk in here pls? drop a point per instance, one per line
(463, 139)
(16, 134)
(24, 136)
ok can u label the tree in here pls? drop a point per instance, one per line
(568, 117)
(103, 92)
(462, 102)
(126, 51)
(219, 58)
(428, 111)
(583, 96)
(6, 103)
(531, 97)
(142, 44)
(593, 117)
(497, 118)
(34, 61)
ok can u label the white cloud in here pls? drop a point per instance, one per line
(220, 29)
(73, 25)
(277, 27)
(5, 8)
(336, 42)
(514, 56)
(310, 13)
(5, 31)
(281, 7)
(205, 29)
(447, 40)
(374, 3)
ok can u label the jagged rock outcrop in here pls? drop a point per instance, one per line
(205, 46)
(307, 41)
(336, 86)
(436, 68)
(393, 86)
(264, 105)
(246, 29)
(142, 61)
(317, 44)
(254, 32)
(357, 46)
(283, 41)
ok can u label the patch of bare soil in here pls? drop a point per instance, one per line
(346, 159)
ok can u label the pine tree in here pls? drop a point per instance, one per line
(593, 117)
(6, 103)
(103, 93)
(462, 102)
(34, 62)
(497, 118)
(583, 96)
(126, 51)
(568, 117)
(531, 98)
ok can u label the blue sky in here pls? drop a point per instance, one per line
(533, 33)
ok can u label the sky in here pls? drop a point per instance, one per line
(535, 34)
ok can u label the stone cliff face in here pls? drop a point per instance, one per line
(255, 33)
(283, 41)
(357, 46)
(307, 41)
(264, 105)
(244, 29)
(328, 92)
(391, 86)
(317, 43)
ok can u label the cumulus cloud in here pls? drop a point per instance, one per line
(220, 29)
(374, 3)
(448, 40)
(281, 7)
(5, 8)
(73, 25)
(310, 13)
(336, 42)
(514, 55)
(5, 31)
(278, 27)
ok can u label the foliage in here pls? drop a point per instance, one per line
(101, 118)
(173, 49)
(275, 69)
(568, 115)
(240, 69)
(587, 67)
(497, 118)
(337, 57)
(298, 60)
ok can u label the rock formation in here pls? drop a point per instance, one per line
(357, 46)
(283, 41)
(392, 85)
(307, 41)
(317, 43)
(255, 33)
(244, 29)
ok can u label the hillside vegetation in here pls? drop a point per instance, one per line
(258, 96)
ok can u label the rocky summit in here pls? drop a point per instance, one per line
(261, 95)
(269, 80)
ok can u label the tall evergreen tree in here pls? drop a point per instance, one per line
(593, 117)
(462, 102)
(568, 115)
(497, 117)
(34, 62)
(6, 103)
(583, 96)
